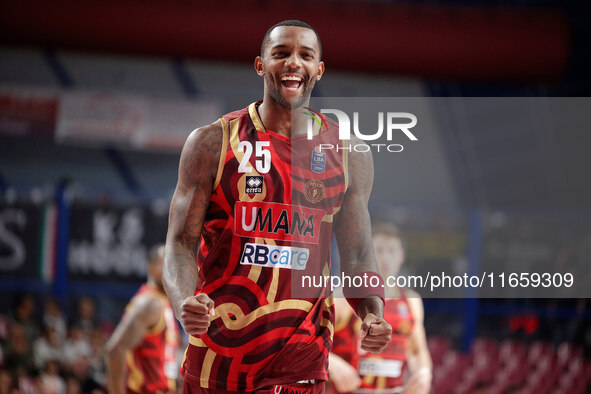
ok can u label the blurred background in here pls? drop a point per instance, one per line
(97, 98)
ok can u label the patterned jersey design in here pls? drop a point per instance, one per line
(386, 370)
(269, 223)
(346, 337)
(151, 366)
(378, 371)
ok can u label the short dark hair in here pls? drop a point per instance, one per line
(155, 253)
(290, 22)
(386, 229)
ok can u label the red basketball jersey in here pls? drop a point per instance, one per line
(346, 338)
(386, 370)
(151, 366)
(378, 371)
(268, 224)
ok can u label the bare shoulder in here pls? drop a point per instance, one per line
(415, 303)
(201, 152)
(148, 302)
(360, 151)
(148, 308)
(205, 140)
(411, 294)
(360, 166)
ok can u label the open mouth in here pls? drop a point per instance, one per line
(292, 82)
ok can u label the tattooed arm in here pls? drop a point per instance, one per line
(353, 233)
(197, 171)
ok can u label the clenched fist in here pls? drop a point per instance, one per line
(375, 333)
(196, 312)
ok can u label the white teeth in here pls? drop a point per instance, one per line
(291, 78)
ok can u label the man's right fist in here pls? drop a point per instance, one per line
(196, 312)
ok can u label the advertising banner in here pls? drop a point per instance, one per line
(112, 243)
(27, 113)
(24, 252)
(136, 122)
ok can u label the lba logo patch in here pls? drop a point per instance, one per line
(318, 160)
(253, 185)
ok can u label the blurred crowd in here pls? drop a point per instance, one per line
(42, 352)
(52, 355)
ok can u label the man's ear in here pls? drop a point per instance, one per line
(320, 71)
(258, 66)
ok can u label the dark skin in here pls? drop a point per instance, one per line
(290, 67)
(292, 52)
(353, 234)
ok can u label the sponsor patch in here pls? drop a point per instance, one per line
(277, 221)
(285, 389)
(253, 184)
(314, 191)
(262, 255)
(380, 367)
(318, 164)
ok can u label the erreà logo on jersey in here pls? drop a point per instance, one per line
(253, 185)
(277, 221)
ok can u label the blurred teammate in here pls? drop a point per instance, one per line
(141, 353)
(353, 369)
(253, 212)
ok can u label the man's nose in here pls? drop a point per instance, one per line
(293, 62)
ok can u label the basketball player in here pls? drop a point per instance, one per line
(354, 370)
(141, 353)
(253, 212)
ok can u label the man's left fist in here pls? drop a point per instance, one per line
(375, 333)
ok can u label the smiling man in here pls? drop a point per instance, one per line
(250, 216)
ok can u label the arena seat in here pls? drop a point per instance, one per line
(509, 366)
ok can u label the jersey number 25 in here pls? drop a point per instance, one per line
(263, 161)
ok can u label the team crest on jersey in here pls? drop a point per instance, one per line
(314, 191)
(318, 164)
(253, 184)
